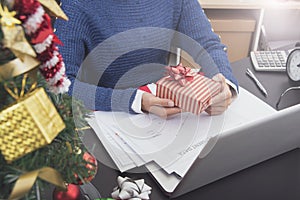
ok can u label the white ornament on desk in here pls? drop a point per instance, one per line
(131, 189)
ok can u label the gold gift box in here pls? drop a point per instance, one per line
(29, 124)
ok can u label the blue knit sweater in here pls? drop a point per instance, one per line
(114, 46)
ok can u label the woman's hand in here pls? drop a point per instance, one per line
(158, 106)
(221, 101)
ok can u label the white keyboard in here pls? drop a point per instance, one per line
(268, 60)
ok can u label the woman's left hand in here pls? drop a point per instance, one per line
(221, 101)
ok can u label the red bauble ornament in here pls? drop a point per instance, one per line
(92, 168)
(72, 193)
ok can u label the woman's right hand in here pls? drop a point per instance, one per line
(158, 106)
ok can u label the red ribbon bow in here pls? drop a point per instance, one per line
(180, 74)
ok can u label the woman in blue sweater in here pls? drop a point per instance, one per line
(111, 47)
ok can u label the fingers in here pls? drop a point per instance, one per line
(158, 106)
(151, 100)
(221, 79)
(161, 102)
(220, 102)
(164, 112)
(219, 108)
(223, 96)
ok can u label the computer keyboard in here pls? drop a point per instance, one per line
(268, 60)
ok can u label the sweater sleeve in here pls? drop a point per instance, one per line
(77, 37)
(194, 23)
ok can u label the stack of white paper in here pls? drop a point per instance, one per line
(133, 140)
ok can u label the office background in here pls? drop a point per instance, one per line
(246, 25)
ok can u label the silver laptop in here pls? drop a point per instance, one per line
(237, 149)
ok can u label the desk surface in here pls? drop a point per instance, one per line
(274, 82)
(277, 178)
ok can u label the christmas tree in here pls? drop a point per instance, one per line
(39, 140)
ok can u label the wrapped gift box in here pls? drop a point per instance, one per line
(30, 123)
(195, 96)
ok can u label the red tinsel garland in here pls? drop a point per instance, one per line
(37, 25)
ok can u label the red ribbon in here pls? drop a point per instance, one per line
(180, 74)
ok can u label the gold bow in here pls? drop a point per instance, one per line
(14, 92)
(27, 180)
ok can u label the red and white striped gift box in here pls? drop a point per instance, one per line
(194, 97)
